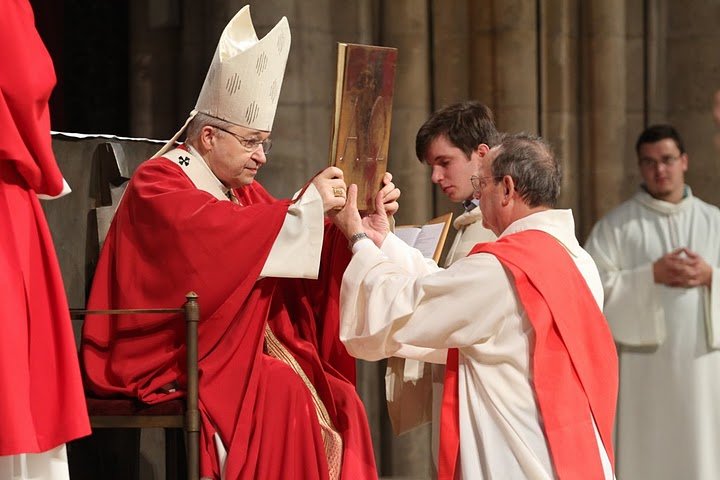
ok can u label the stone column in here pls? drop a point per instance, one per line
(450, 24)
(504, 66)
(405, 27)
(654, 31)
(559, 87)
(450, 72)
(693, 75)
(604, 119)
(641, 87)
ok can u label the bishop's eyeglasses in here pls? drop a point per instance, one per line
(250, 144)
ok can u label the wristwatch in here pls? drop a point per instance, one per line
(356, 238)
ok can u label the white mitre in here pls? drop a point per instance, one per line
(243, 83)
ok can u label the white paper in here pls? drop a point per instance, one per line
(407, 234)
(428, 239)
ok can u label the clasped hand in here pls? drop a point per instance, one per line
(682, 268)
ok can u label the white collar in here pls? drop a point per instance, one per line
(558, 223)
(198, 171)
(661, 206)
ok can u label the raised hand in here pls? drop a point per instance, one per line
(348, 219)
(377, 224)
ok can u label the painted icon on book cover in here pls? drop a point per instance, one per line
(361, 136)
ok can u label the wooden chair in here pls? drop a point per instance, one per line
(170, 415)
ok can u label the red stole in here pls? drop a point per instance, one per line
(449, 450)
(574, 362)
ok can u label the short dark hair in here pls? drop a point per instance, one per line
(466, 125)
(655, 133)
(531, 163)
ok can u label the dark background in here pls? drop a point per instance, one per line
(88, 42)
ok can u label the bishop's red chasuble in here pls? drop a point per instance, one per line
(169, 237)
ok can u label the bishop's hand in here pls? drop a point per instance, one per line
(331, 187)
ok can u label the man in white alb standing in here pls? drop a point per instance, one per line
(658, 253)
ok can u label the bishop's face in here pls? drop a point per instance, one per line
(237, 154)
(663, 168)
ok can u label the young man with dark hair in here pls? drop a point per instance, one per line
(452, 142)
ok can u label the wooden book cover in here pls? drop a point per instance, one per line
(361, 122)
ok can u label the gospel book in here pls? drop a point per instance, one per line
(361, 121)
(428, 238)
